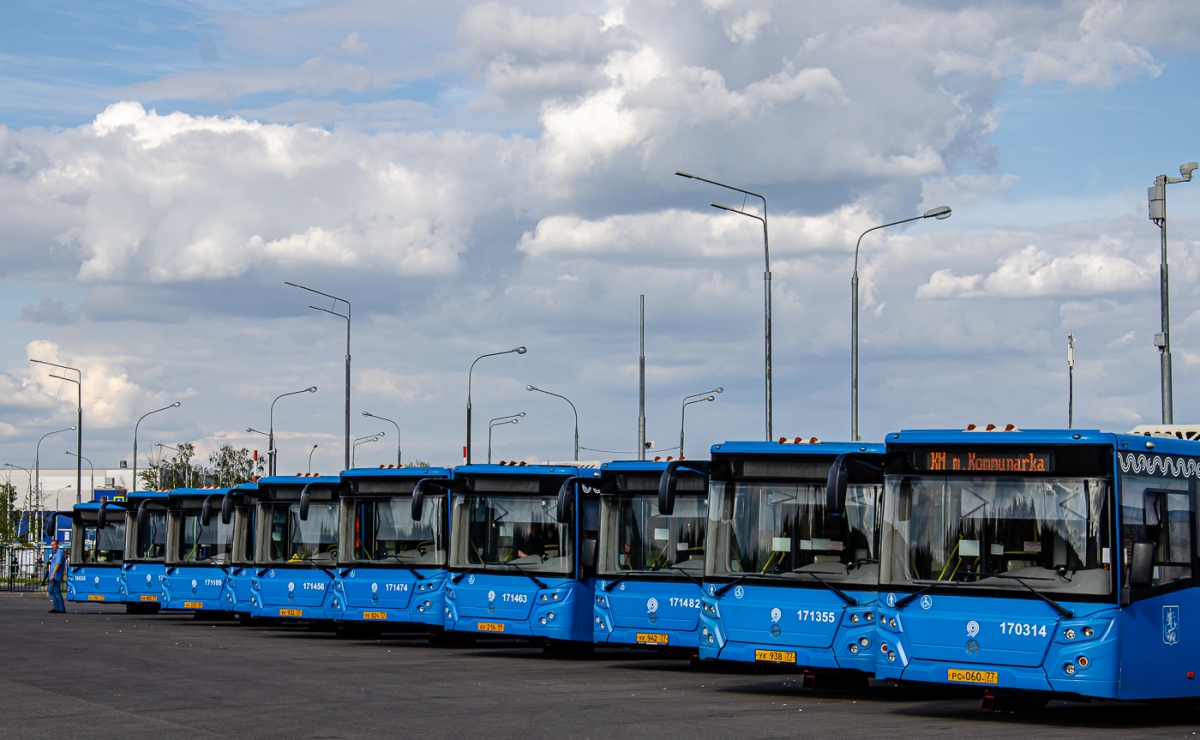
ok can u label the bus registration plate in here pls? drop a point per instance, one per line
(775, 656)
(962, 675)
(149, 597)
(291, 612)
(374, 615)
(651, 638)
(193, 605)
(490, 627)
(95, 597)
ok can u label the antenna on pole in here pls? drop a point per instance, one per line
(1070, 381)
(642, 380)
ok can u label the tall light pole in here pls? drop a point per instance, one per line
(513, 419)
(135, 433)
(78, 422)
(516, 350)
(940, 213)
(382, 418)
(310, 452)
(1070, 381)
(548, 393)
(688, 401)
(345, 316)
(92, 467)
(37, 464)
(362, 441)
(766, 280)
(1162, 340)
(271, 433)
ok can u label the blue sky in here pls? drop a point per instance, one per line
(477, 176)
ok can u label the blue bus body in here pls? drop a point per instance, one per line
(392, 568)
(144, 567)
(239, 509)
(97, 553)
(518, 568)
(789, 577)
(199, 550)
(1049, 563)
(650, 565)
(296, 544)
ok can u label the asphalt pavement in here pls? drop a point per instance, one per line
(99, 672)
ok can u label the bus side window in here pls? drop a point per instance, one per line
(1161, 511)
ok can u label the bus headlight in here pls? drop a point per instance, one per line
(1083, 661)
(853, 649)
(1069, 669)
(1088, 631)
(1070, 633)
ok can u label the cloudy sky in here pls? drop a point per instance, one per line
(476, 176)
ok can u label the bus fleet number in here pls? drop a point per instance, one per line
(1022, 630)
(807, 615)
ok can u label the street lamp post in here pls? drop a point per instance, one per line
(90, 466)
(1162, 340)
(37, 463)
(135, 433)
(548, 393)
(362, 441)
(940, 213)
(766, 282)
(398, 435)
(78, 383)
(345, 316)
(271, 433)
(1070, 381)
(517, 350)
(513, 419)
(310, 452)
(688, 401)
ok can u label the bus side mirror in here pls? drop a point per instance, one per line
(1141, 564)
(835, 485)
(305, 500)
(206, 510)
(562, 513)
(419, 491)
(227, 508)
(102, 515)
(666, 488)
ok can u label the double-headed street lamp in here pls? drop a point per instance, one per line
(940, 213)
(271, 433)
(688, 401)
(37, 463)
(499, 420)
(1162, 340)
(548, 393)
(78, 381)
(362, 441)
(345, 316)
(516, 350)
(398, 435)
(92, 467)
(135, 433)
(766, 280)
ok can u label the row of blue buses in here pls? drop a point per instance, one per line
(1031, 564)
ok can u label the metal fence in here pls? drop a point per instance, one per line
(21, 569)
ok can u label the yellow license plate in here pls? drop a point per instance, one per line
(95, 597)
(193, 605)
(149, 597)
(775, 656)
(650, 638)
(962, 675)
(490, 627)
(291, 613)
(374, 615)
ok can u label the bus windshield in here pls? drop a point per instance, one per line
(505, 531)
(207, 544)
(106, 546)
(1048, 534)
(151, 542)
(637, 538)
(782, 529)
(384, 531)
(293, 540)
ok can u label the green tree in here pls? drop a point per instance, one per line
(8, 498)
(416, 464)
(229, 467)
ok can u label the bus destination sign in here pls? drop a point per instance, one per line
(976, 461)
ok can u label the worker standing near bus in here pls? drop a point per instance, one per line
(58, 568)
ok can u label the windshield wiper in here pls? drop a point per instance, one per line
(609, 586)
(1022, 580)
(459, 576)
(397, 558)
(732, 583)
(532, 577)
(850, 600)
(917, 594)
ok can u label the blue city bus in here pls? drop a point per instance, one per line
(650, 565)
(199, 550)
(1041, 564)
(791, 572)
(522, 552)
(238, 509)
(392, 567)
(97, 552)
(144, 566)
(296, 548)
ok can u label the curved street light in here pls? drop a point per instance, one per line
(556, 395)
(89, 462)
(310, 452)
(78, 423)
(516, 350)
(398, 435)
(135, 433)
(37, 463)
(499, 420)
(766, 279)
(345, 316)
(271, 429)
(362, 441)
(688, 401)
(940, 213)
